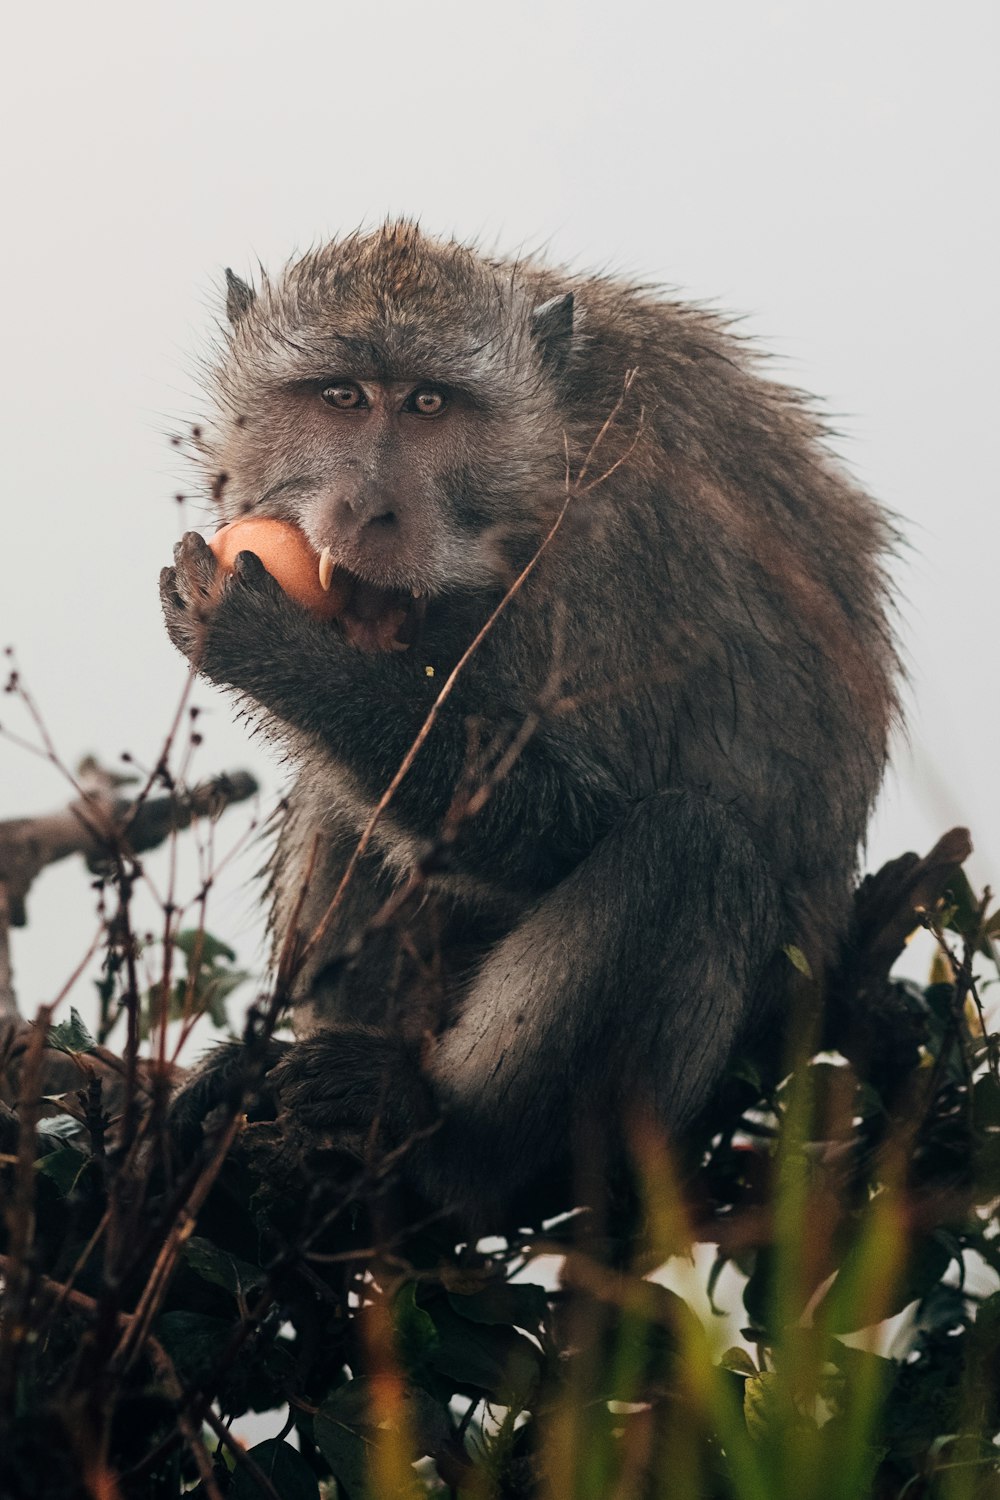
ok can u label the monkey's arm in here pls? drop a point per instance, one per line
(365, 710)
(621, 994)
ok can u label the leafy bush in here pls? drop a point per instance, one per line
(147, 1303)
(146, 1308)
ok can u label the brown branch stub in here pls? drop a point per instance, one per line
(102, 825)
(102, 821)
(8, 1000)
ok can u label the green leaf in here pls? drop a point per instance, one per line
(195, 943)
(70, 1036)
(213, 992)
(221, 1268)
(59, 1127)
(758, 1294)
(494, 1359)
(285, 1468)
(928, 1260)
(768, 1409)
(940, 998)
(63, 1167)
(152, 1010)
(739, 1361)
(194, 1341)
(206, 988)
(518, 1304)
(876, 1369)
(986, 1103)
(344, 1436)
(963, 912)
(416, 1335)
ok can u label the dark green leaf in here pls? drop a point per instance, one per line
(416, 1336)
(768, 1408)
(198, 945)
(496, 1360)
(515, 1303)
(70, 1036)
(855, 1363)
(152, 1010)
(194, 1342)
(929, 1259)
(63, 1167)
(986, 1103)
(221, 1268)
(758, 1294)
(284, 1467)
(962, 913)
(739, 1361)
(60, 1127)
(344, 1436)
(940, 998)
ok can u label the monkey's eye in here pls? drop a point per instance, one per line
(428, 401)
(344, 395)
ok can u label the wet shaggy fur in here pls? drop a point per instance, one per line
(698, 675)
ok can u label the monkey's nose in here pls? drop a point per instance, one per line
(355, 513)
(384, 522)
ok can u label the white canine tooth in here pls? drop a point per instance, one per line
(325, 569)
(417, 593)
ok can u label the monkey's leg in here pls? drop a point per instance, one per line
(622, 992)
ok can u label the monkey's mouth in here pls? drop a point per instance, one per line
(372, 618)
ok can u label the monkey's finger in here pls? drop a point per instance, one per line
(250, 572)
(198, 576)
(169, 597)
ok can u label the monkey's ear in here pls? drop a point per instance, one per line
(239, 297)
(552, 329)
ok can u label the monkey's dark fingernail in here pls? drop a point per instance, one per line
(249, 568)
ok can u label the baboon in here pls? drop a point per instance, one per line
(653, 774)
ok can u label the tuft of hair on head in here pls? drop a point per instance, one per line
(240, 297)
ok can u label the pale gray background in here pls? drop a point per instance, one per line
(826, 168)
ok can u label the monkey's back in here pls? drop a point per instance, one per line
(716, 596)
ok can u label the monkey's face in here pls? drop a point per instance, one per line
(392, 398)
(403, 483)
(381, 472)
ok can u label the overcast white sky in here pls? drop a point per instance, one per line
(828, 169)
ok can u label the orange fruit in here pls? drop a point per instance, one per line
(288, 557)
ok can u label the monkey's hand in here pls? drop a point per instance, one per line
(350, 1087)
(230, 1076)
(227, 624)
(365, 709)
(355, 1087)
